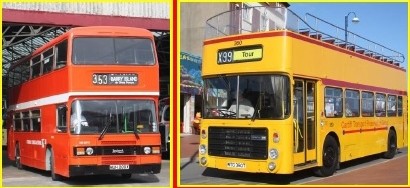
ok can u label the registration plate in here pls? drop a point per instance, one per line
(236, 165)
(115, 79)
(119, 167)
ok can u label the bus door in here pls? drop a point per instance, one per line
(304, 121)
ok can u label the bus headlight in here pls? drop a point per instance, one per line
(271, 166)
(147, 150)
(273, 153)
(89, 151)
(203, 161)
(202, 149)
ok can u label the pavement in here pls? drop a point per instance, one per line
(189, 147)
(390, 172)
(387, 172)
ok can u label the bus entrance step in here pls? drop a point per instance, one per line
(305, 165)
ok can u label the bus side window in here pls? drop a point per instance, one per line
(61, 55)
(333, 102)
(17, 122)
(400, 106)
(61, 119)
(391, 106)
(380, 105)
(36, 66)
(48, 60)
(36, 120)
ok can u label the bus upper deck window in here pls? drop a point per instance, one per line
(61, 51)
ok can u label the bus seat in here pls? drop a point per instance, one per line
(329, 40)
(60, 64)
(370, 54)
(304, 32)
(316, 36)
(360, 51)
(342, 45)
(350, 47)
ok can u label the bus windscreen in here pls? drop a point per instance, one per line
(104, 50)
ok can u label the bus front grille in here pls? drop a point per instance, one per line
(249, 143)
(118, 160)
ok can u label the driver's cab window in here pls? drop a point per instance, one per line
(62, 118)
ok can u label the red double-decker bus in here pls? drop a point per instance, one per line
(86, 103)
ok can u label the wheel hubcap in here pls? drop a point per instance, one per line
(329, 156)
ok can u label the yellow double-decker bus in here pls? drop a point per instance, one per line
(281, 96)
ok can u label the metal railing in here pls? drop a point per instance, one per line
(261, 19)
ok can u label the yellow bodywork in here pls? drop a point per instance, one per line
(302, 57)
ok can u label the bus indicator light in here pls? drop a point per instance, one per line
(156, 150)
(276, 137)
(203, 133)
(80, 151)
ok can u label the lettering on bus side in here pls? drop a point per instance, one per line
(237, 43)
(41, 142)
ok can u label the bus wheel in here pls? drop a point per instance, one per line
(54, 176)
(126, 176)
(17, 157)
(391, 145)
(330, 158)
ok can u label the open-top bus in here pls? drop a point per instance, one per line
(86, 103)
(315, 100)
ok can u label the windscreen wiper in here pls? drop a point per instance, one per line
(256, 109)
(136, 132)
(107, 125)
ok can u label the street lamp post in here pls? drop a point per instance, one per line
(354, 20)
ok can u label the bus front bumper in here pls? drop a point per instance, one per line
(243, 165)
(81, 170)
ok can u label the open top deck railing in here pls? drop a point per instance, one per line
(262, 18)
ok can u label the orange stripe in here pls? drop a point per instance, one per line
(364, 130)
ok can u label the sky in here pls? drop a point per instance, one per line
(383, 23)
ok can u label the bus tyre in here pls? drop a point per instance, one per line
(54, 176)
(391, 145)
(17, 157)
(330, 158)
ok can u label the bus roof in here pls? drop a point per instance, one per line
(91, 31)
(281, 18)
